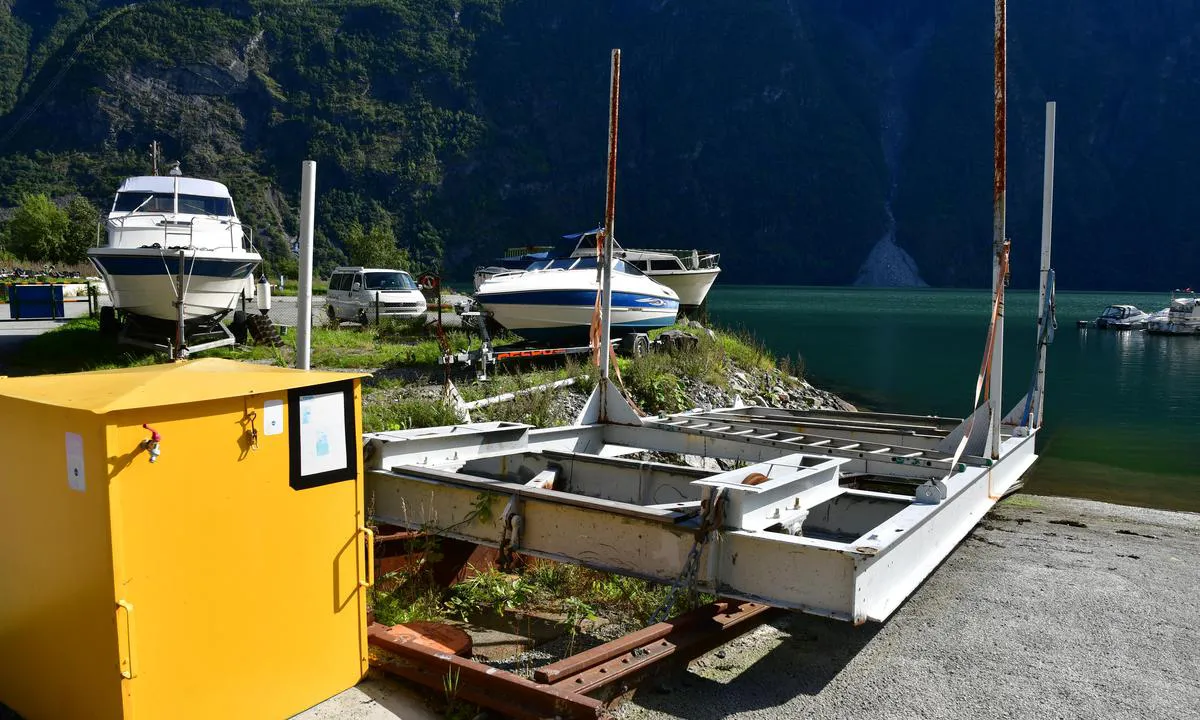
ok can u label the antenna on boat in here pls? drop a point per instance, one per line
(999, 240)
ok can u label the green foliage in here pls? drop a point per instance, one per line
(37, 229)
(375, 247)
(407, 413)
(83, 220)
(489, 590)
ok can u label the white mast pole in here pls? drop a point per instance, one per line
(308, 197)
(999, 190)
(1035, 417)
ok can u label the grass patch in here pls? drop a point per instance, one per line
(292, 288)
(1022, 501)
(74, 346)
(406, 414)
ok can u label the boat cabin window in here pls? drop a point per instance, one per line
(671, 264)
(560, 264)
(202, 205)
(144, 202)
(587, 263)
(623, 267)
(390, 281)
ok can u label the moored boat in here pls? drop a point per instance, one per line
(1122, 317)
(1182, 318)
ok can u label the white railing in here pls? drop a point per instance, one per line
(173, 230)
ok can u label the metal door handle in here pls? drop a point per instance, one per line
(127, 668)
(370, 558)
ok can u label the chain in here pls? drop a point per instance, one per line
(710, 521)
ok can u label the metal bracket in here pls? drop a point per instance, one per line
(931, 492)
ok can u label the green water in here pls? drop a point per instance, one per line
(1122, 418)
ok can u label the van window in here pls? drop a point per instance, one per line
(339, 281)
(395, 280)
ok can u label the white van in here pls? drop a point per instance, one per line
(360, 294)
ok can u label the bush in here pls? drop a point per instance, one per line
(37, 229)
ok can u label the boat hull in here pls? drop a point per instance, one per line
(143, 281)
(691, 286)
(566, 315)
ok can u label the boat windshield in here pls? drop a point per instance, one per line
(144, 202)
(393, 280)
(203, 205)
(539, 265)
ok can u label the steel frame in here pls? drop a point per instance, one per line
(597, 502)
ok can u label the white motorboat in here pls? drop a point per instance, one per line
(690, 273)
(1122, 317)
(1182, 318)
(168, 234)
(555, 300)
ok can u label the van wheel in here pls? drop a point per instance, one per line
(333, 318)
(363, 318)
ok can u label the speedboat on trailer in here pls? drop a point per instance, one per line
(555, 300)
(690, 273)
(173, 236)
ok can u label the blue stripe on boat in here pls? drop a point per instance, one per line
(202, 267)
(576, 298)
(579, 333)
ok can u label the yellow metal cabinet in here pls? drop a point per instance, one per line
(225, 579)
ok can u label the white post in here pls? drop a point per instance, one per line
(606, 258)
(999, 190)
(1035, 417)
(308, 198)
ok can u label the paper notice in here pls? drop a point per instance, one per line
(322, 433)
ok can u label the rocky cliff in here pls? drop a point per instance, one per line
(810, 142)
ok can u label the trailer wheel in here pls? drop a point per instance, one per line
(238, 327)
(635, 346)
(641, 345)
(109, 326)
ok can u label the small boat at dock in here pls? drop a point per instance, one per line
(1182, 318)
(1122, 317)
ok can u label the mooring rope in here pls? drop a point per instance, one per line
(986, 367)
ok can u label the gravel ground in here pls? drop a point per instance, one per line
(1052, 608)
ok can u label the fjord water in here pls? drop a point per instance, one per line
(1122, 418)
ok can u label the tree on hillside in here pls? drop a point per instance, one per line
(81, 231)
(375, 247)
(36, 230)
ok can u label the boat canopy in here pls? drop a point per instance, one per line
(166, 184)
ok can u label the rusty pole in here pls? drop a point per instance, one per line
(609, 220)
(999, 191)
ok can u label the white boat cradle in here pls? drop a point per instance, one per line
(833, 513)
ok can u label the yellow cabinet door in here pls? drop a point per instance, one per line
(238, 596)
